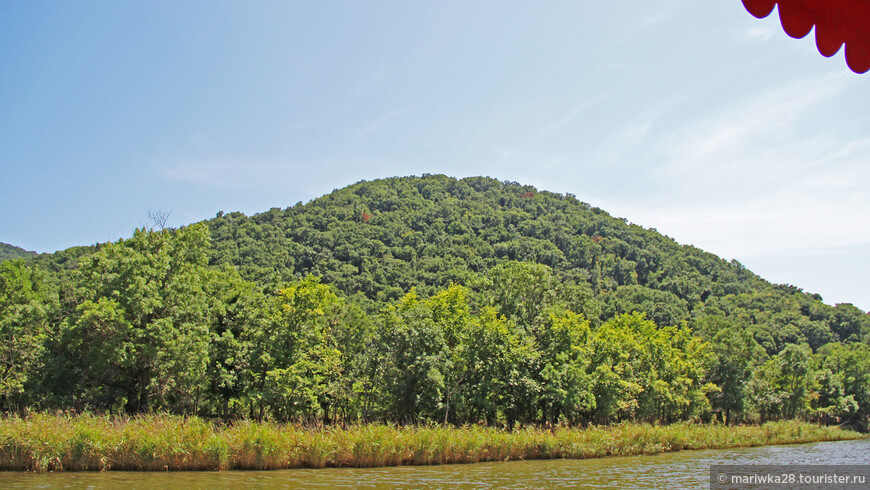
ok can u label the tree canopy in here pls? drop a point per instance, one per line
(423, 299)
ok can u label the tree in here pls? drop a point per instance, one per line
(521, 291)
(781, 386)
(451, 314)
(500, 359)
(300, 362)
(765, 392)
(139, 339)
(23, 328)
(238, 318)
(566, 384)
(829, 401)
(849, 322)
(850, 364)
(794, 377)
(416, 359)
(734, 355)
(662, 307)
(641, 371)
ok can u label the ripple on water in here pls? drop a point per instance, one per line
(686, 469)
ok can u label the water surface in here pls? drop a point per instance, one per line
(685, 469)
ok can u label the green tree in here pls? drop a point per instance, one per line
(238, 315)
(301, 362)
(849, 322)
(794, 377)
(521, 291)
(850, 363)
(417, 359)
(662, 307)
(23, 328)
(451, 314)
(643, 372)
(500, 359)
(566, 385)
(734, 355)
(829, 402)
(139, 339)
(781, 386)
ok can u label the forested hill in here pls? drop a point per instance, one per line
(8, 252)
(423, 299)
(383, 237)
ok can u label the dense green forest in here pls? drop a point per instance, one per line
(424, 299)
(9, 252)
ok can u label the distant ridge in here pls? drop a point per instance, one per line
(429, 298)
(9, 252)
(428, 231)
(378, 239)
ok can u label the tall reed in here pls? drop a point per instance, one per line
(43, 442)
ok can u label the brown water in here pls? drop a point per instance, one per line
(687, 469)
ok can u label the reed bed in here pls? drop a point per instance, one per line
(43, 442)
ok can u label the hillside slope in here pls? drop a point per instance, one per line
(383, 237)
(424, 299)
(9, 252)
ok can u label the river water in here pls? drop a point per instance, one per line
(685, 469)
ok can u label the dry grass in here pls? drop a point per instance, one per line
(41, 442)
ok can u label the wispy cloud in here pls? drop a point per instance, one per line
(660, 12)
(758, 33)
(533, 148)
(379, 122)
(233, 174)
(565, 120)
(763, 177)
(761, 225)
(632, 142)
(757, 141)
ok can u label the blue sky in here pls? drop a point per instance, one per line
(691, 117)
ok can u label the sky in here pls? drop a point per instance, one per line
(693, 118)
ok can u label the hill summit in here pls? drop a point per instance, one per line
(424, 299)
(9, 252)
(381, 238)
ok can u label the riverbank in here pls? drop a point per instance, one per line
(43, 442)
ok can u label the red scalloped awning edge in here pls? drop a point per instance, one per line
(837, 22)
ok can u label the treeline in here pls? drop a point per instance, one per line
(423, 298)
(9, 252)
(148, 324)
(379, 239)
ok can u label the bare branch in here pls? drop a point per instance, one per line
(158, 218)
